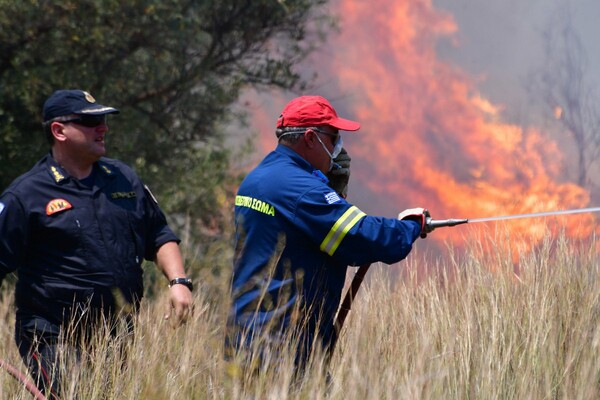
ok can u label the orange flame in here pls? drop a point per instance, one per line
(437, 142)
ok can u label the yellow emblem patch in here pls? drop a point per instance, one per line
(56, 173)
(89, 97)
(57, 205)
(106, 169)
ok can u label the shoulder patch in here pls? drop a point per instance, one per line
(332, 197)
(1, 207)
(57, 205)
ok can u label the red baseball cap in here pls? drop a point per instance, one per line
(313, 111)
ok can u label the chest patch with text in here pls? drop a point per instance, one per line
(57, 205)
(123, 195)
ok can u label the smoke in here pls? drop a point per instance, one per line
(429, 137)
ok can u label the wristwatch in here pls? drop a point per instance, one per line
(182, 281)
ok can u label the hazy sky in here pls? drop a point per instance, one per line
(502, 41)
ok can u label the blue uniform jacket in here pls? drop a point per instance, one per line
(71, 244)
(295, 238)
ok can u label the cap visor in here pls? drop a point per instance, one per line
(345, 124)
(98, 110)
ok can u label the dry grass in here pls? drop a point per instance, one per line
(474, 331)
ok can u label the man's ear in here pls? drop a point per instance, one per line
(57, 130)
(309, 138)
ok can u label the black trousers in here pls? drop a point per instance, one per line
(47, 355)
(43, 356)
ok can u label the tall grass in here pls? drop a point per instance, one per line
(475, 330)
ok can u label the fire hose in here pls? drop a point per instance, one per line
(15, 373)
(431, 224)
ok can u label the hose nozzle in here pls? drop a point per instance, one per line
(439, 223)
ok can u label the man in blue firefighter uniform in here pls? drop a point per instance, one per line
(76, 229)
(296, 235)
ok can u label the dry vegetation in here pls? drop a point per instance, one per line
(475, 331)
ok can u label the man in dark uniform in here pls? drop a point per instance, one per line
(296, 234)
(76, 228)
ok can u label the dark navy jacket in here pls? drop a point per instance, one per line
(72, 244)
(295, 238)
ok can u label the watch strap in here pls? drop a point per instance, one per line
(182, 281)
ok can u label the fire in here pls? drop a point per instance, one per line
(428, 137)
(558, 112)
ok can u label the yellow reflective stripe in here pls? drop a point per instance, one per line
(340, 229)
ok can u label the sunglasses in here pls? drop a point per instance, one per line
(337, 146)
(89, 121)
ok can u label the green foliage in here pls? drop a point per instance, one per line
(173, 67)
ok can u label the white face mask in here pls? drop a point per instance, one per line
(337, 148)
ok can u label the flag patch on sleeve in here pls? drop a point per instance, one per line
(332, 198)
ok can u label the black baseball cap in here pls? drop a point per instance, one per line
(66, 102)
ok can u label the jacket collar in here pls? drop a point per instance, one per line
(59, 175)
(285, 150)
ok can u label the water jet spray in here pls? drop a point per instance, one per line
(432, 224)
